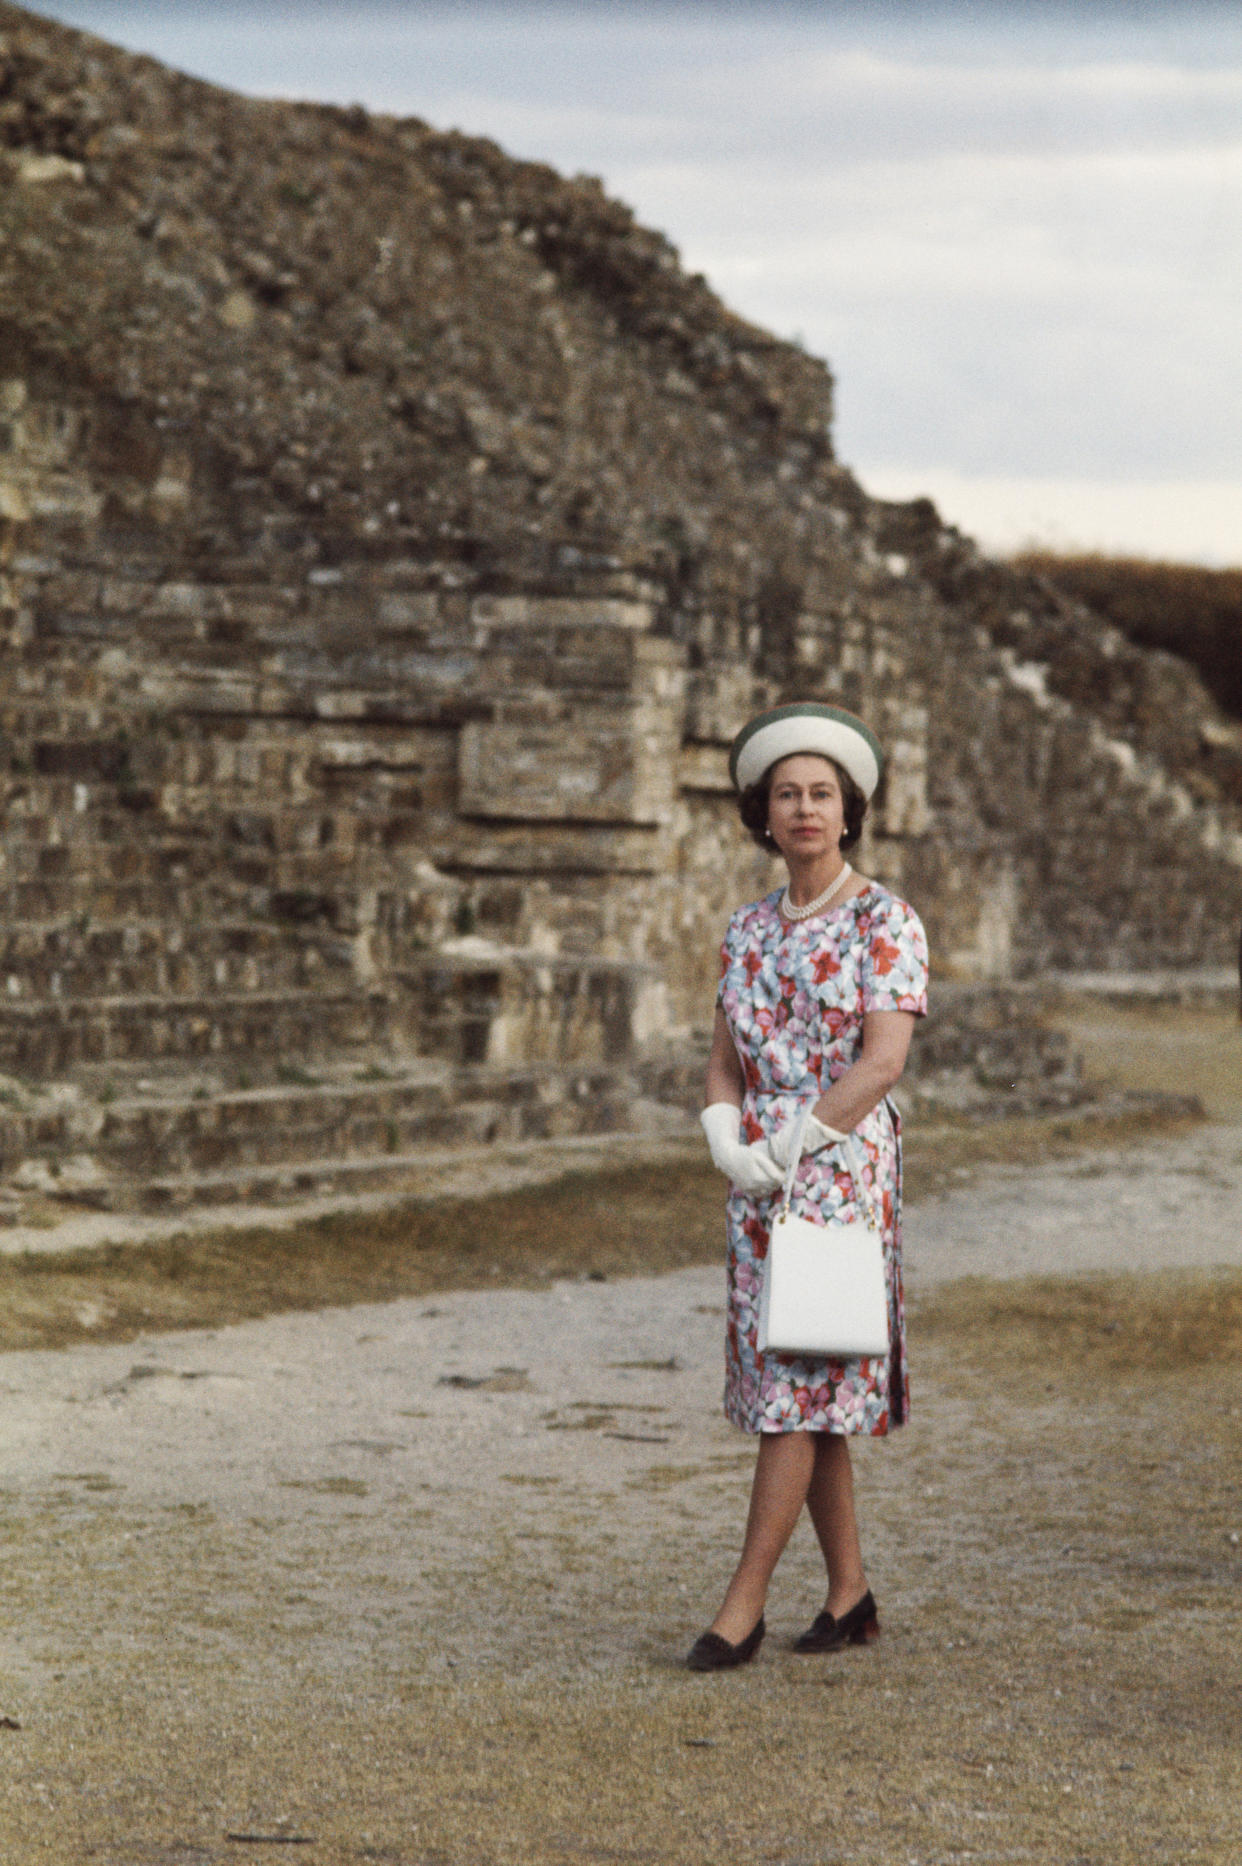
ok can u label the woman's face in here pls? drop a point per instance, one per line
(806, 811)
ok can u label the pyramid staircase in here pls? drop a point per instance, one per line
(228, 969)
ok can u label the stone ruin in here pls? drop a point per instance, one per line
(392, 538)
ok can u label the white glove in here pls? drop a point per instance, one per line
(750, 1168)
(815, 1135)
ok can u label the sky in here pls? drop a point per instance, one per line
(1013, 228)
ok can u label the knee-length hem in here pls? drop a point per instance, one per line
(794, 996)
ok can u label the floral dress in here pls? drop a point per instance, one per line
(794, 995)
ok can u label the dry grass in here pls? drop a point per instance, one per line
(608, 1224)
(1100, 1325)
(1185, 609)
(627, 1222)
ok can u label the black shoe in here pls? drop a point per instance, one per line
(713, 1653)
(855, 1628)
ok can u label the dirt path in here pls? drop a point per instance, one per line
(411, 1581)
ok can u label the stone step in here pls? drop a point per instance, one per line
(314, 793)
(47, 1038)
(83, 838)
(467, 1004)
(350, 811)
(219, 867)
(47, 747)
(275, 1184)
(88, 958)
(320, 640)
(287, 892)
(150, 1150)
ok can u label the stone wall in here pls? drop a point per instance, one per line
(374, 634)
(412, 760)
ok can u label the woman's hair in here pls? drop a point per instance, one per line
(752, 806)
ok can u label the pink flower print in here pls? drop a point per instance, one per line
(749, 1282)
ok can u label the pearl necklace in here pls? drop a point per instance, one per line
(819, 903)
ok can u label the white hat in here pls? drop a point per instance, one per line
(826, 731)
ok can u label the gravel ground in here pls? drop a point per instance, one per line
(392, 1583)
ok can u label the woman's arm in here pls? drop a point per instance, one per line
(885, 1045)
(748, 1166)
(725, 1081)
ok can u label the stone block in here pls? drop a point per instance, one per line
(594, 767)
(720, 699)
(704, 768)
(902, 728)
(14, 502)
(546, 849)
(399, 611)
(552, 612)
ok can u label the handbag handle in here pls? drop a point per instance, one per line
(849, 1148)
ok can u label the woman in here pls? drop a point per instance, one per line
(820, 985)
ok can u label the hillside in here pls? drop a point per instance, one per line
(397, 332)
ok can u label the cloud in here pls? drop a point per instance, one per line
(1014, 232)
(1187, 520)
(1032, 315)
(851, 106)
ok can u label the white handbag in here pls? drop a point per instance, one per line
(824, 1293)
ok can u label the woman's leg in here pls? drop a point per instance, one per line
(830, 1501)
(783, 1472)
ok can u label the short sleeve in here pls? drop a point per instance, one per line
(736, 948)
(726, 961)
(894, 961)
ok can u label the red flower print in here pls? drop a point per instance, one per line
(753, 964)
(884, 956)
(826, 966)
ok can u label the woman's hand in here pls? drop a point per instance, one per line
(750, 1168)
(815, 1136)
